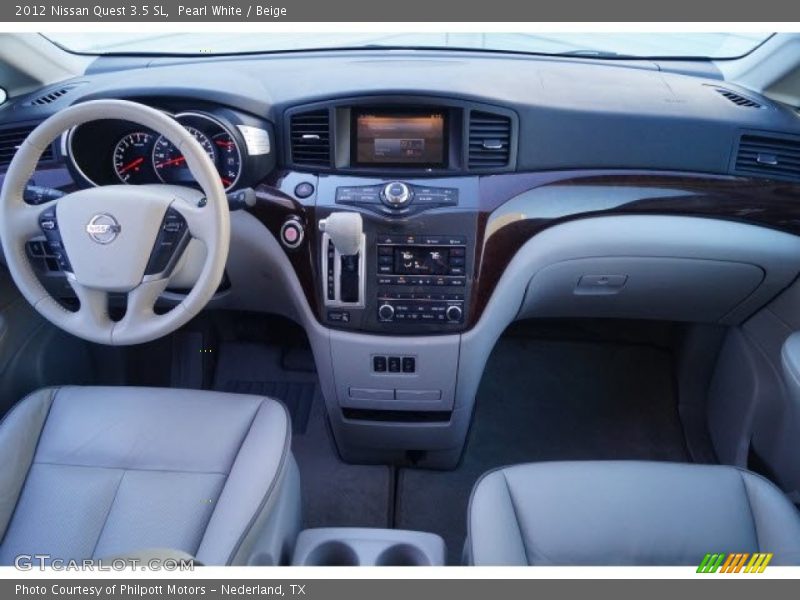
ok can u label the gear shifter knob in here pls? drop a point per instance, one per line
(345, 230)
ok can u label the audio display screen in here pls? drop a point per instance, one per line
(415, 260)
(398, 138)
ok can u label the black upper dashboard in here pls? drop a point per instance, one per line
(562, 113)
(428, 148)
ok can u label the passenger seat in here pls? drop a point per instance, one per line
(627, 513)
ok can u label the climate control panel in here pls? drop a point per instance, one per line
(421, 279)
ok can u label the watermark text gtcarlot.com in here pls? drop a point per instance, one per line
(30, 562)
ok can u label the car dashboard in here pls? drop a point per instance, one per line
(489, 188)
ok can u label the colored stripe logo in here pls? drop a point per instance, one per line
(736, 562)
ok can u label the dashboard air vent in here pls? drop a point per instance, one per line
(767, 156)
(311, 139)
(489, 140)
(738, 99)
(10, 140)
(51, 95)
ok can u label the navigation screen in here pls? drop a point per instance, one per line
(384, 137)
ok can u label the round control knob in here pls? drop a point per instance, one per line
(396, 194)
(386, 312)
(454, 313)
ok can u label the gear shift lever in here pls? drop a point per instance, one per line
(345, 230)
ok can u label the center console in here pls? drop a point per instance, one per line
(414, 272)
(384, 236)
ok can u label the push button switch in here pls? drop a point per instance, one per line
(172, 239)
(394, 364)
(304, 190)
(54, 246)
(292, 233)
(409, 364)
(379, 364)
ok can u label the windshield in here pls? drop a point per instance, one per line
(620, 45)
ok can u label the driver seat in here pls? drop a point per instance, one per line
(119, 472)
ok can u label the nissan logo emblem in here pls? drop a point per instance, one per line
(103, 228)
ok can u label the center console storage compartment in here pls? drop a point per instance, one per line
(352, 547)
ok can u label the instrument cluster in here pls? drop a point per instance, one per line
(106, 152)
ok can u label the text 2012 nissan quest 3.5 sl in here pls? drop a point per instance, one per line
(400, 300)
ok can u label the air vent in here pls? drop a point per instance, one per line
(311, 139)
(767, 156)
(738, 99)
(10, 141)
(50, 95)
(489, 140)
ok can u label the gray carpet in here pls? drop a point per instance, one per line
(335, 494)
(550, 400)
(247, 368)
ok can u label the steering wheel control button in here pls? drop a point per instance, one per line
(47, 220)
(103, 228)
(304, 190)
(171, 241)
(292, 233)
(53, 248)
(396, 194)
(173, 223)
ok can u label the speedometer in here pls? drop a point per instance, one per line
(170, 164)
(131, 155)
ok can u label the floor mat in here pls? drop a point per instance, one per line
(334, 494)
(550, 400)
(296, 395)
(248, 368)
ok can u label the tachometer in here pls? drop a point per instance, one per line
(131, 155)
(169, 163)
(229, 160)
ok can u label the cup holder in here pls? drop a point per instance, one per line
(333, 553)
(358, 546)
(402, 555)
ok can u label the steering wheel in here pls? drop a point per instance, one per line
(121, 239)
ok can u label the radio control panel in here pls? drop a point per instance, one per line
(397, 198)
(421, 278)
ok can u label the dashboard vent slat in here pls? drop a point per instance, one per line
(12, 138)
(311, 138)
(739, 99)
(51, 95)
(765, 156)
(489, 140)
